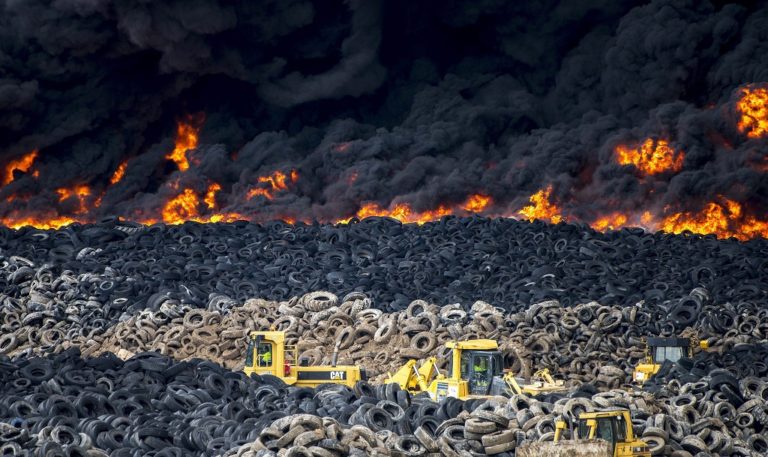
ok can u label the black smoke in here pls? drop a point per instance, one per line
(387, 101)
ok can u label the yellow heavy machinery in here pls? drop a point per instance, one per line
(659, 350)
(597, 434)
(267, 354)
(476, 370)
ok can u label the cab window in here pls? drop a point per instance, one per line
(466, 358)
(481, 366)
(498, 365)
(662, 354)
(264, 355)
(605, 431)
(480, 380)
(249, 353)
(582, 430)
(621, 429)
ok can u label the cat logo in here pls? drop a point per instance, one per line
(337, 375)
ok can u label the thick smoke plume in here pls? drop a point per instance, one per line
(381, 103)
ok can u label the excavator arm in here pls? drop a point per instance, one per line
(512, 383)
(413, 379)
(545, 375)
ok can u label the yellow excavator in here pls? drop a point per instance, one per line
(659, 350)
(267, 354)
(597, 434)
(476, 370)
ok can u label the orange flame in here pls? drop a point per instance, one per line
(541, 208)
(186, 139)
(181, 208)
(119, 173)
(753, 106)
(274, 182)
(210, 195)
(477, 203)
(724, 219)
(185, 207)
(401, 211)
(652, 157)
(80, 191)
(612, 221)
(23, 164)
(56, 222)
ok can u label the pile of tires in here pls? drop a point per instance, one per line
(114, 268)
(152, 405)
(309, 436)
(586, 343)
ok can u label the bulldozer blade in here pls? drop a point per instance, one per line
(571, 448)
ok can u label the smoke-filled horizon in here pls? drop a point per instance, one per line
(311, 111)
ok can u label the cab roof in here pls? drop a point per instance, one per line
(476, 345)
(669, 342)
(272, 335)
(611, 412)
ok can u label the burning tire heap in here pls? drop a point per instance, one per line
(177, 302)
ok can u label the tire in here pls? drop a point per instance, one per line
(426, 439)
(480, 426)
(499, 438)
(377, 419)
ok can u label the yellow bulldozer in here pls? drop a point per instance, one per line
(597, 434)
(267, 354)
(476, 370)
(659, 350)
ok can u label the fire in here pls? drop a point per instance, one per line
(610, 222)
(40, 223)
(477, 203)
(724, 219)
(274, 182)
(210, 195)
(80, 191)
(181, 208)
(651, 157)
(23, 164)
(753, 106)
(186, 139)
(401, 211)
(185, 207)
(541, 207)
(119, 173)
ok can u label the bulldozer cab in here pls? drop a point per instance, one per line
(479, 368)
(661, 350)
(259, 353)
(613, 426)
(611, 429)
(474, 363)
(267, 353)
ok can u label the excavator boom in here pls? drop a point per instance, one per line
(413, 379)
